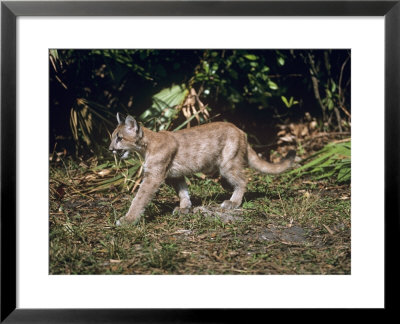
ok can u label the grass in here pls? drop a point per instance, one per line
(84, 240)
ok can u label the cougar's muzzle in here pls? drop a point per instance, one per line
(122, 154)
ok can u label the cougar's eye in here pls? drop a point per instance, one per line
(119, 138)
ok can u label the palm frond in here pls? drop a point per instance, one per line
(334, 160)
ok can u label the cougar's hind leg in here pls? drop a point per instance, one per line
(233, 173)
(181, 188)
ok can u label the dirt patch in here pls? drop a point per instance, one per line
(224, 215)
(294, 234)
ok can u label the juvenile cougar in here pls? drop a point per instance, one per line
(171, 156)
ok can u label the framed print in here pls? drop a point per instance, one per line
(64, 255)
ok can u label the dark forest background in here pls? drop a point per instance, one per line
(258, 90)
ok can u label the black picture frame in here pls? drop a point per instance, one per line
(10, 10)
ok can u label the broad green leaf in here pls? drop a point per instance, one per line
(328, 93)
(333, 160)
(265, 69)
(164, 105)
(333, 87)
(250, 57)
(285, 101)
(272, 85)
(206, 67)
(330, 104)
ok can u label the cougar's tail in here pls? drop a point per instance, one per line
(260, 165)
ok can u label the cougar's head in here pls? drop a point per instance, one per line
(126, 137)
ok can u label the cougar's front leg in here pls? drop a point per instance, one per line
(150, 184)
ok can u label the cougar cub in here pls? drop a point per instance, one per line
(170, 156)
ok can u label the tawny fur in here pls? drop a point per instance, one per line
(170, 156)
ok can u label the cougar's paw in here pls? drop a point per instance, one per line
(179, 210)
(120, 221)
(126, 221)
(227, 204)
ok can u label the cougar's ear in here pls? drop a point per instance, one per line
(131, 123)
(119, 119)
